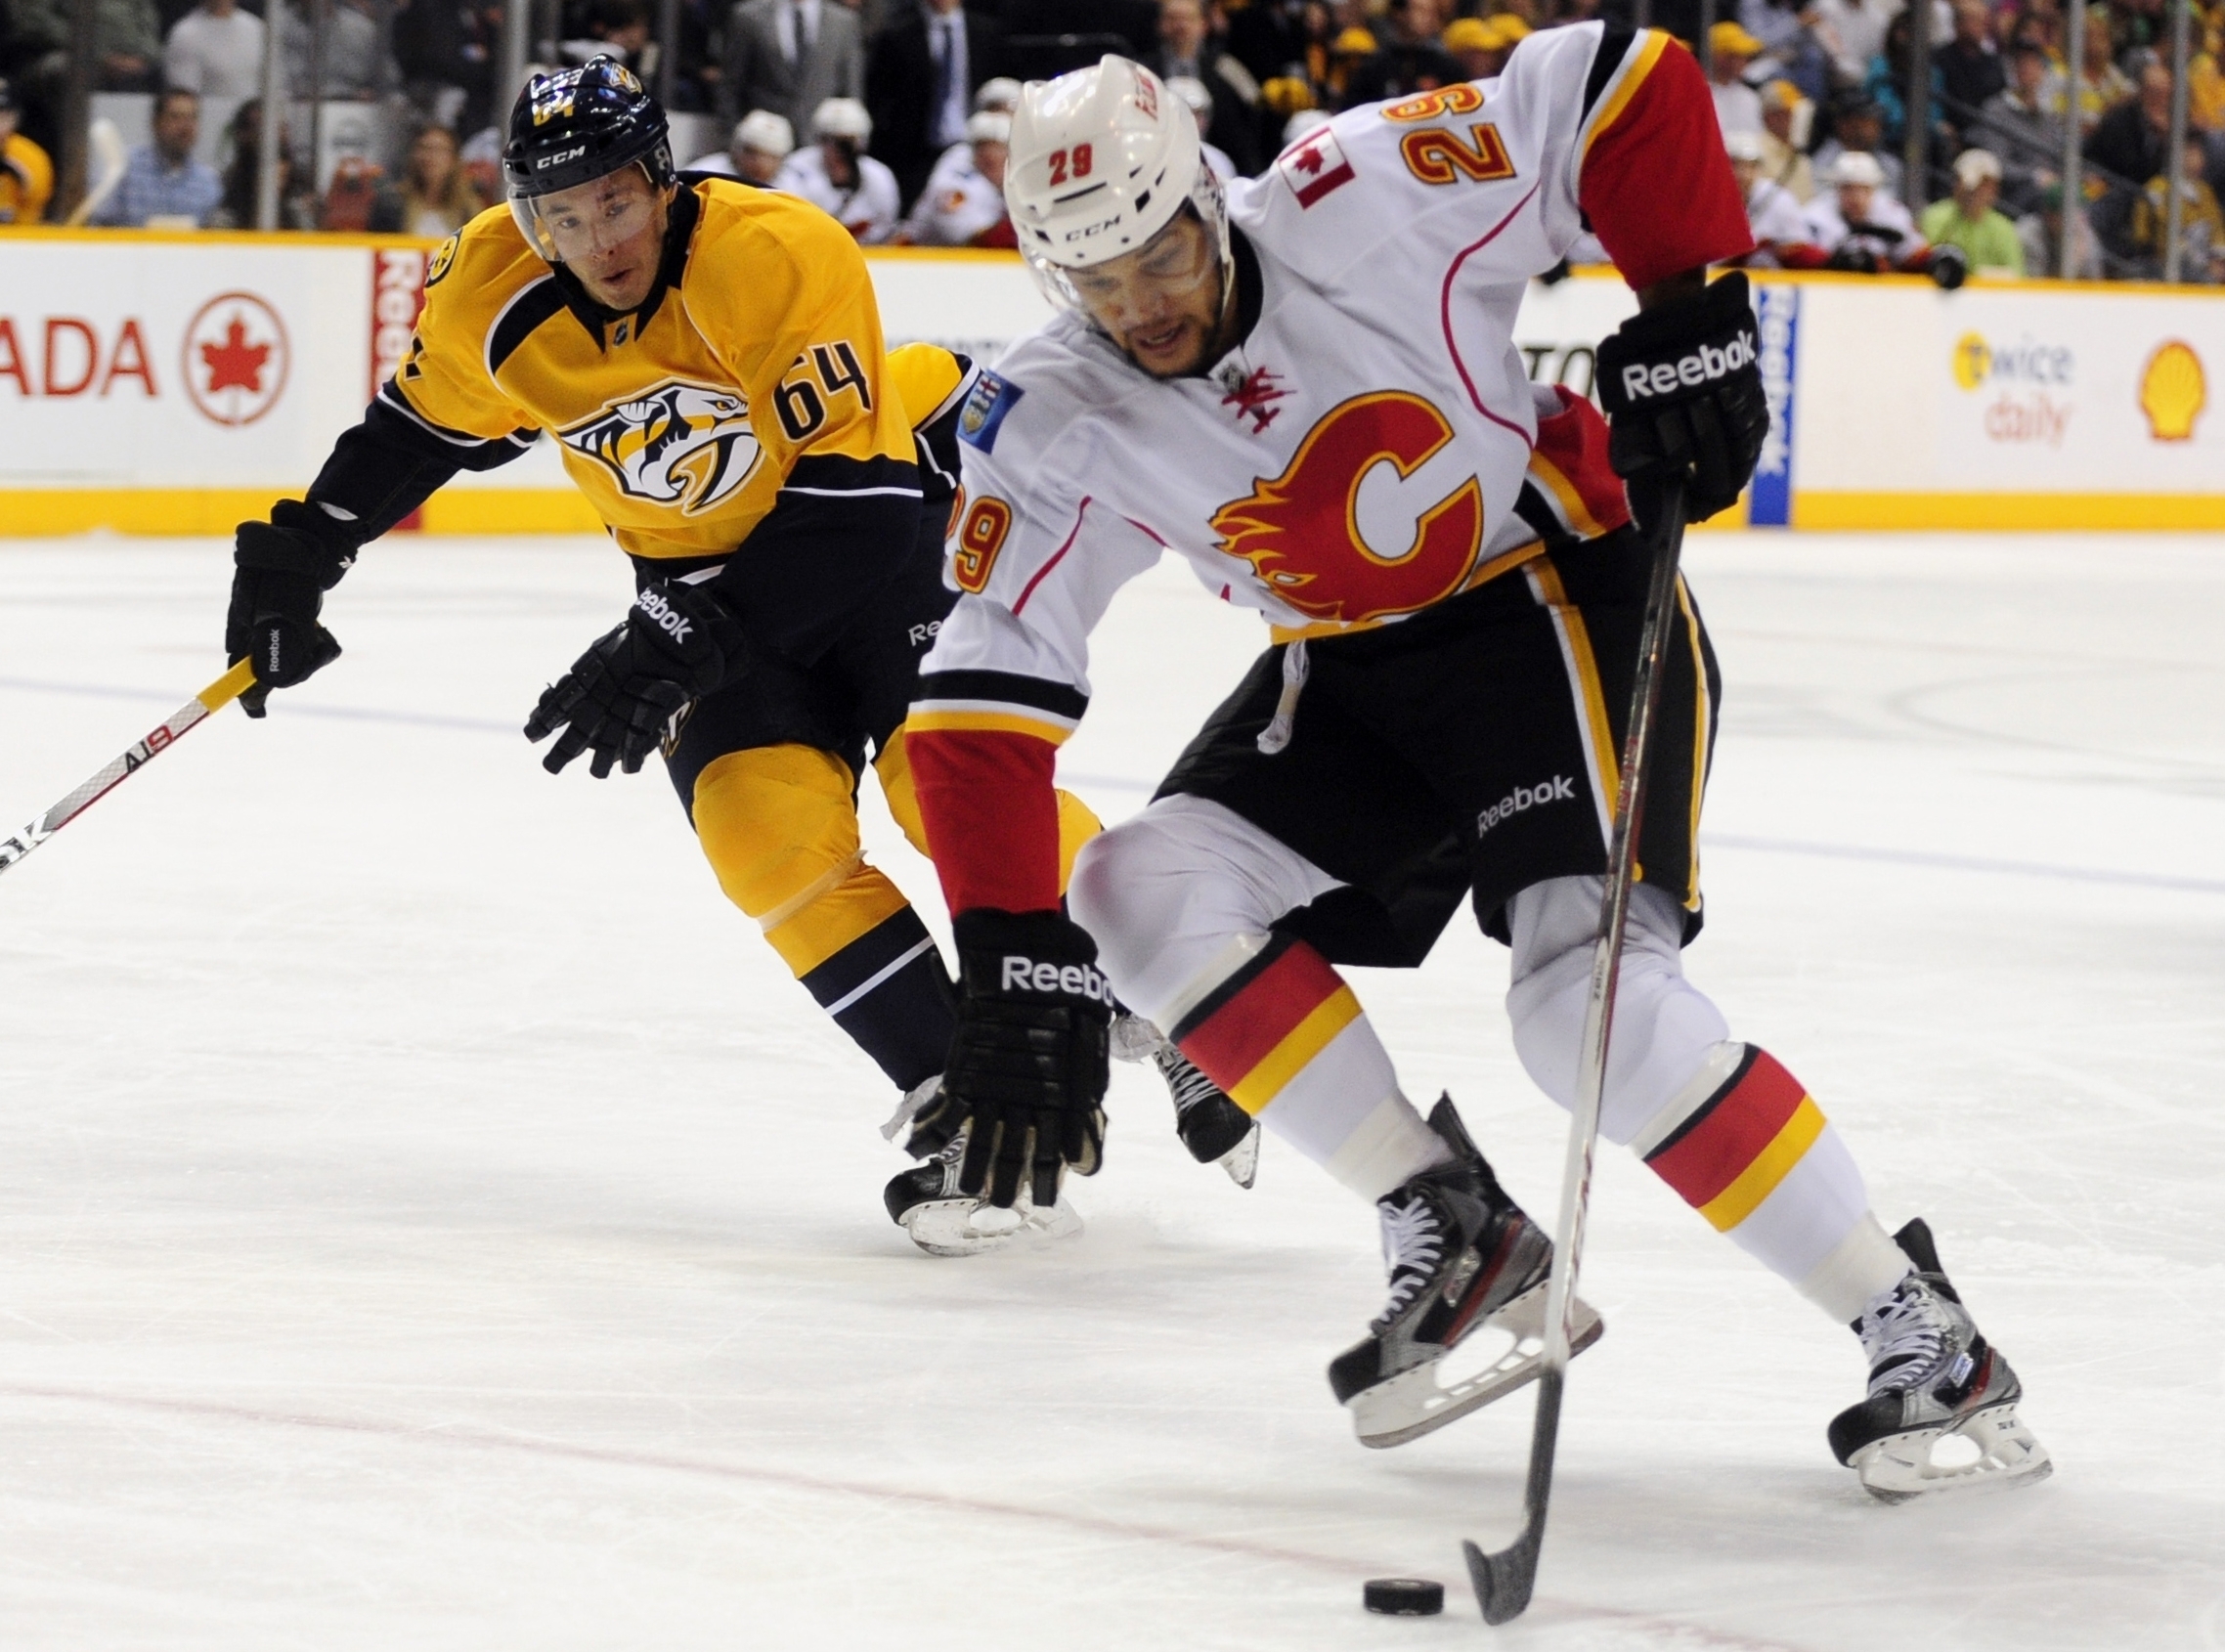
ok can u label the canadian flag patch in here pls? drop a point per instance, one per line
(1314, 166)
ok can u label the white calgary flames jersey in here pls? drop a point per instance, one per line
(867, 210)
(1374, 445)
(958, 205)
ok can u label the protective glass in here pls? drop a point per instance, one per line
(1165, 272)
(568, 225)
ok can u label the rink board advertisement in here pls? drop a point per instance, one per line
(177, 383)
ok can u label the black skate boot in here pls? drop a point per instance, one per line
(925, 1201)
(1933, 1380)
(1461, 1257)
(1214, 1129)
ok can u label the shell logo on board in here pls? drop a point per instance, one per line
(2174, 391)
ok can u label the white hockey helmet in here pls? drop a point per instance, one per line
(765, 132)
(988, 126)
(1303, 121)
(1859, 166)
(1000, 93)
(842, 117)
(1102, 161)
(1189, 88)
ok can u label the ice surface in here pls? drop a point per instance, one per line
(430, 1218)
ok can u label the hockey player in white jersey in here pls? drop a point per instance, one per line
(836, 176)
(963, 202)
(1307, 388)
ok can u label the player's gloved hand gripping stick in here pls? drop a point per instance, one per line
(215, 697)
(678, 644)
(1029, 1059)
(1681, 385)
(282, 570)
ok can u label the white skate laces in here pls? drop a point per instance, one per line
(1414, 1243)
(1184, 1082)
(1905, 1332)
(914, 1101)
(1941, 1413)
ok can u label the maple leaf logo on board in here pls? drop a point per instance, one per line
(235, 364)
(236, 359)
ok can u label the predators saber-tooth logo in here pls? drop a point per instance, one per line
(689, 445)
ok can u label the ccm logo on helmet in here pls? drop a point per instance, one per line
(1083, 981)
(1702, 365)
(660, 612)
(544, 162)
(1096, 229)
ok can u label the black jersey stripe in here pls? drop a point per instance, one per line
(834, 475)
(937, 435)
(1004, 689)
(1532, 506)
(393, 401)
(519, 318)
(1614, 46)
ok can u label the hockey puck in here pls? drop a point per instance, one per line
(1404, 1597)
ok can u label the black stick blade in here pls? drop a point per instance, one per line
(1504, 1581)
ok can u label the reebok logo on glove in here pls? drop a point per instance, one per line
(1703, 366)
(1075, 981)
(658, 611)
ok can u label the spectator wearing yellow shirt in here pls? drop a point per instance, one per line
(1968, 219)
(27, 175)
(2202, 226)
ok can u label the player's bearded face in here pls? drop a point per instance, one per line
(609, 233)
(1160, 303)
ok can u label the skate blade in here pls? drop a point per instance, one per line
(968, 1226)
(1241, 1161)
(1413, 1403)
(1901, 1467)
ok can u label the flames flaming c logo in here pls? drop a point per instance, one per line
(1302, 532)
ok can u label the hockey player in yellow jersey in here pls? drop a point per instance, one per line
(709, 357)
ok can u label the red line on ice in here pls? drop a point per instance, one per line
(1344, 1565)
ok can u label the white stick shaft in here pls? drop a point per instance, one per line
(157, 740)
(1607, 952)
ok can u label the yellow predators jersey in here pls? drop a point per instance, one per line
(753, 374)
(933, 384)
(27, 181)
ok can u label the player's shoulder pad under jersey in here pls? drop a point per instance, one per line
(471, 276)
(1347, 187)
(928, 379)
(1041, 387)
(759, 255)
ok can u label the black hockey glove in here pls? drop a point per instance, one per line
(1681, 386)
(279, 580)
(1027, 1063)
(678, 644)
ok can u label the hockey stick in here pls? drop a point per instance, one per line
(1504, 1581)
(214, 698)
(107, 145)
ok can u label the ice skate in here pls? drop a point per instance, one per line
(1214, 1129)
(1463, 1258)
(926, 1203)
(1941, 1412)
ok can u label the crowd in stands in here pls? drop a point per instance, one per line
(893, 115)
